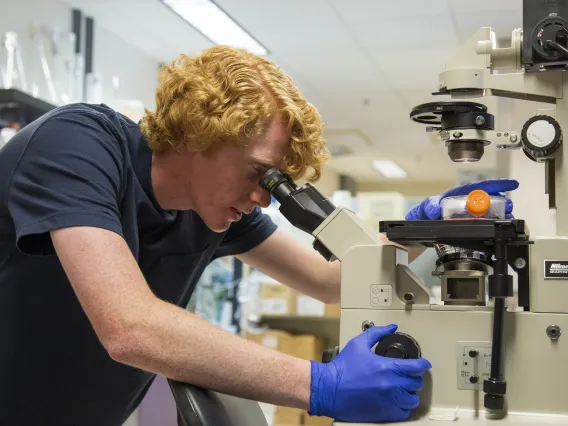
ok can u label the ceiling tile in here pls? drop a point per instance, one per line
(485, 6)
(294, 26)
(398, 26)
(385, 10)
(501, 22)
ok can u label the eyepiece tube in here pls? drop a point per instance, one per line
(278, 184)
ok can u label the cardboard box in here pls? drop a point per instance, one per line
(316, 421)
(333, 311)
(274, 339)
(309, 347)
(277, 299)
(307, 306)
(285, 416)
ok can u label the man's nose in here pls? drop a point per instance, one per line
(261, 197)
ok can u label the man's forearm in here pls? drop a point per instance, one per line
(177, 344)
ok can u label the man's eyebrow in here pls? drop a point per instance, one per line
(264, 165)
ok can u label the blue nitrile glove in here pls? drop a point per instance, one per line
(429, 209)
(360, 386)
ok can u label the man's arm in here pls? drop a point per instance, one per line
(143, 331)
(296, 265)
(301, 267)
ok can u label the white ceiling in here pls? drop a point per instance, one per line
(363, 63)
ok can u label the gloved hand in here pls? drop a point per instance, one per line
(360, 386)
(429, 209)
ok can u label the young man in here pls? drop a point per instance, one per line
(106, 226)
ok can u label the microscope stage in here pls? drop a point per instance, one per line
(467, 233)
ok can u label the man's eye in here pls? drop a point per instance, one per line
(258, 170)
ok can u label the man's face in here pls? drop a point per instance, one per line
(225, 183)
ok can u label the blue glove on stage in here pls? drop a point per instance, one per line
(429, 209)
(360, 386)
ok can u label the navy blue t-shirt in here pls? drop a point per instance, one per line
(86, 165)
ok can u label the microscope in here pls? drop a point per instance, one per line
(490, 365)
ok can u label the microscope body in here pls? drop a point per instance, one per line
(466, 340)
(490, 364)
(378, 288)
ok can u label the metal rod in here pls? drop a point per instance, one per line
(497, 345)
(76, 17)
(89, 41)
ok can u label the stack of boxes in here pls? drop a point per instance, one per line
(279, 300)
(301, 346)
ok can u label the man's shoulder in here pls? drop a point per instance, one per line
(89, 114)
(79, 127)
(72, 136)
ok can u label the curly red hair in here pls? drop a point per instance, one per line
(229, 95)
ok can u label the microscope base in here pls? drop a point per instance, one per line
(469, 418)
(533, 362)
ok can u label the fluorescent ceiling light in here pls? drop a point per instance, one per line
(389, 169)
(206, 17)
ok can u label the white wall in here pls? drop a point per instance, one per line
(22, 17)
(328, 183)
(137, 72)
(408, 189)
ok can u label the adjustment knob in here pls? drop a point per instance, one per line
(474, 379)
(541, 136)
(329, 354)
(398, 345)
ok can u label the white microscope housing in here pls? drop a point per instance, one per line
(490, 365)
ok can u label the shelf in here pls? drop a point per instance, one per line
(21, 107)
(325, 327)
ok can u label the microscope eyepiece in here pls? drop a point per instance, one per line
(277, 183)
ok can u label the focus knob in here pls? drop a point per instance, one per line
(398, 345)
(329, 354)
(541, 136)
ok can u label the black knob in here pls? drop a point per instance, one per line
(541, 136)
(398, 345)
(396, 350)
(473, 353)
(329, 354)
(474, 379)
(494, 402)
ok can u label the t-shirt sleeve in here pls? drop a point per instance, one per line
(246, 234)
(68, 175)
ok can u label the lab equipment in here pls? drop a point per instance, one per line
(478, 204)
(490, 365)
(12, 72)
(430, 208)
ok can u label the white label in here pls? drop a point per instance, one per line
(381, 295)
(275, 306)
(270, 341)
(555, 269)
(309, 307)
(541, 133)
(474, 364)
